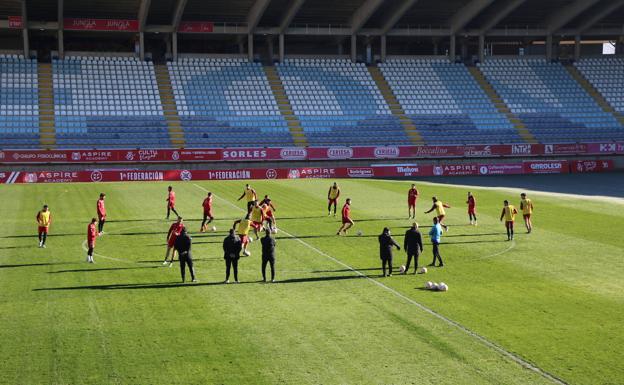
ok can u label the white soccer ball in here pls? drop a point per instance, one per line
(402, 269)
(443, 286)
(251, 239)
(359, 233)
(214, 228)
(434, 286)
(274, 231)
(429, 285)
(423, 270)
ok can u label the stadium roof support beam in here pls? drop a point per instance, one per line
(59, 31)
(562, 17)
(25, 30)
(398, 13)
(142, 17)
(255, 14)
(501, 13)
(177, 14)
(466, 13)
(600, 14)
(362, 14)
(290, 15)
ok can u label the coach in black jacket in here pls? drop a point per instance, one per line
(232, 247)
(183, 247)
(413, 246)
(386, 243)
(268, 255)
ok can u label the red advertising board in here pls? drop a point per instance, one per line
(545, 167)
(395, 171)
(587, 166)
(255, 154)
(84, 24)
(16, 22)
(196, 27)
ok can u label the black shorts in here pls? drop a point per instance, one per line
(268, 259)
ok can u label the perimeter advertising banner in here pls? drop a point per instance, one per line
(256, 154)
(396, 171)
(84, 24)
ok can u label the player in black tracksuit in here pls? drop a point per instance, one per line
(232, 247)
(268, 255)
(183, 247)
(386, 243)
(413, 246)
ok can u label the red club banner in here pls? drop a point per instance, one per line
(83, 24)
(196, 27)
(588, 166)
(16, 22)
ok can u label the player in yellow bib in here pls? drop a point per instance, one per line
(439, 207)
(44, 218)
(257, 218)
(332, 197)
(526, 205)
(250, 197)
(509, 213)
(242, 228)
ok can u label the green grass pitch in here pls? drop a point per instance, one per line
(554, 298)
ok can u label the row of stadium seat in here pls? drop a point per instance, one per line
(548, 100)
(115, 102)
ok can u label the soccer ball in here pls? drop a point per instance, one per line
(443, 286)
(429, 285)
(359, 233)
(251, 239)
(423, 270)
(214, 228)
(434, 286)
(274, 231)
(402, 269)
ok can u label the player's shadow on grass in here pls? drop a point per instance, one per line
(194, 260)
(16, 247)
(134, 220)
(168, 285)
(35, 236)
(35, 264)
(347, 270)
(102, 269)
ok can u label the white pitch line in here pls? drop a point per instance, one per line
(513, 357)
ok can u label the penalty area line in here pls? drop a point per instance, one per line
(502, 351)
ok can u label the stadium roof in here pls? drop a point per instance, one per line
(341, 17)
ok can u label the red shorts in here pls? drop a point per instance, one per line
(346, 220)
(256, 225)
(440, 218)
(43, 229)
(333, 201)
(411, 202)
(527, 216)
(509, 224)
(244, 238)
(471, 210)
(269, 214)
(91, 244)
(171, 205)
(171, 241)
(208, 213)
(101, 217)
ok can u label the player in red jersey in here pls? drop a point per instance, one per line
(91, 236)
(207, 205)
(174, 230)
(412, 197)
(347, 222)
(171, 198)
(101, 213)
(472, 209)
(269, 213)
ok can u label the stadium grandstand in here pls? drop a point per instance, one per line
(279, 73)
